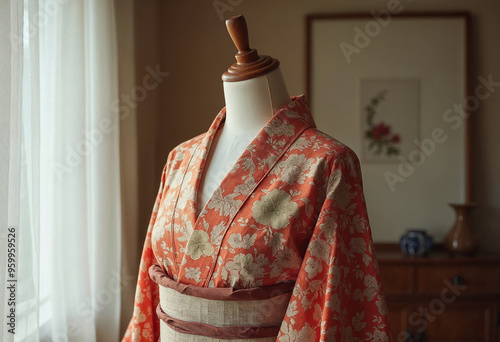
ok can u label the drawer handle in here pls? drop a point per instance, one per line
(458, 280)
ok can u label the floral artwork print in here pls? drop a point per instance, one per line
(381, 139)
(390, 119)
(291, 209)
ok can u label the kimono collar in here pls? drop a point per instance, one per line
(210, 225)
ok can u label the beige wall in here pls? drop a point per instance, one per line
(138, 44)
(128, 154)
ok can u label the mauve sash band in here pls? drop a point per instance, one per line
(159, 276)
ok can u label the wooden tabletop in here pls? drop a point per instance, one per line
(390, 253)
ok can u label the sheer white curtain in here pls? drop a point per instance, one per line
(60, 137)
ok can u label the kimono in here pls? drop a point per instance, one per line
(291, 209)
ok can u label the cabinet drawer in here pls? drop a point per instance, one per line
(396, 279)
(464, 321)
(399, 314)
(472, 279)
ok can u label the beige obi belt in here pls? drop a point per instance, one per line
(190, 313)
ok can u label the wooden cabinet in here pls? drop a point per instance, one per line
(441, 298)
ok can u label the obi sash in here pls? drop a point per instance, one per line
(190, 313)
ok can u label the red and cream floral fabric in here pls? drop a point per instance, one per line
(291, 208)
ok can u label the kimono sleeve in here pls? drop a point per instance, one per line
(338, 295)
(145, 324)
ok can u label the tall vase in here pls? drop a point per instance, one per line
(461, 239)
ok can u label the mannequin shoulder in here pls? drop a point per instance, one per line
(334, 153)
(318, 141)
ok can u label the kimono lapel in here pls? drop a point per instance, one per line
(196, 256)
(185, 211)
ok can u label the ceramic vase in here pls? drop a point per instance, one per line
(461, 239)
(416, 242)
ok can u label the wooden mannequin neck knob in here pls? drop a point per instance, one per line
(249, 63)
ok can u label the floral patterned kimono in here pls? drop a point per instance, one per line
(290, 209)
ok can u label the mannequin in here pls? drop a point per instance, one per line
(249, 106)
(254, 89)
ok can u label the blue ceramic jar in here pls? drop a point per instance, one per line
(416, 242)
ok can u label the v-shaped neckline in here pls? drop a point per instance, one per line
(210, 179)
(208, 144)
(204, 155)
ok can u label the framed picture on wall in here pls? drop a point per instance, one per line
(393, 88)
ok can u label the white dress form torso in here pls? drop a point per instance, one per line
(249, 106)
